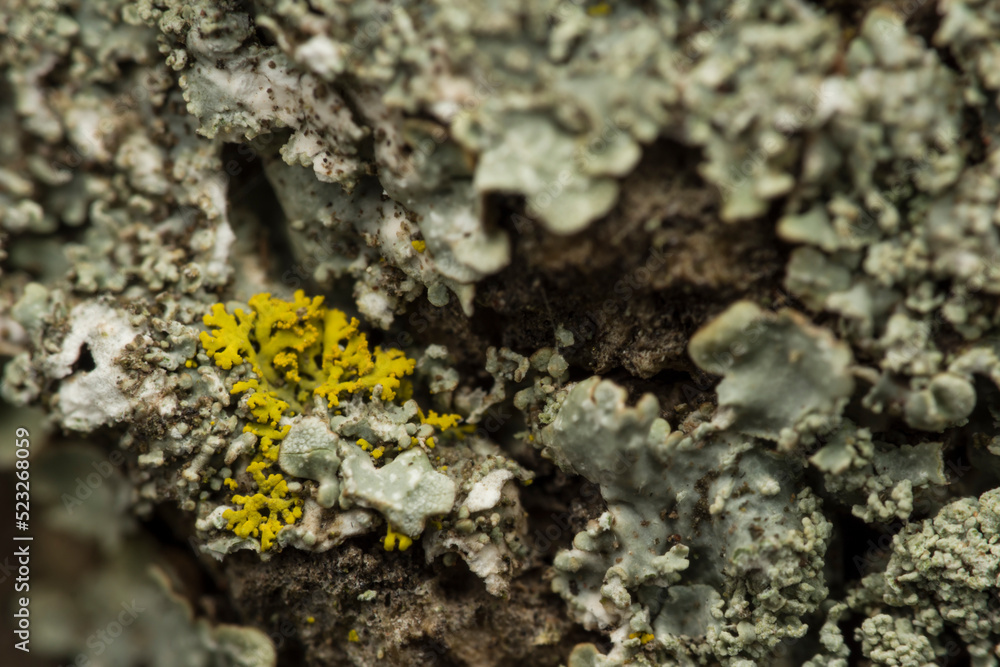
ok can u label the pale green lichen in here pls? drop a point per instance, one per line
(310, 451)
(941, 576)
(406, 491)
(784, 379)
(715, 526)
(402, 143)
(879, 479)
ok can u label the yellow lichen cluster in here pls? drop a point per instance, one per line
(299, 348)
(392, 539)
(445, 423)
(296, 349)
(272, 496)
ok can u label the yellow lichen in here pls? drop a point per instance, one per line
(295, 349)
(392, 538)
(251, 521)
(447, 424)
(443, 422)
(419, 246)
(352, 636)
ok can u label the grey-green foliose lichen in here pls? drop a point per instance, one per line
(810, 480)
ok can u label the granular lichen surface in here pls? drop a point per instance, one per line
(551, 333)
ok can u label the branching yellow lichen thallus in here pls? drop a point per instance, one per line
(282, 341)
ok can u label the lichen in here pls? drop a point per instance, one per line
(941, 576)
(716, 528)
(685, 312)
(299, 349)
